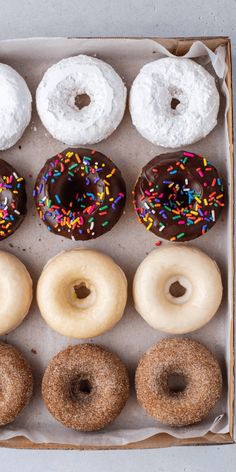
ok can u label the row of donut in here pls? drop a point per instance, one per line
(80, 194)
(82, 293)
(85, 387)
(81, 100)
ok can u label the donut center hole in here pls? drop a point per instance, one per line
(174, 103)
(81, 291)
(181, 194)
(5, 197)
(82, 100)
(177, 196)
(80, 386)
(75, 194)
(176, 383)
(177, 290)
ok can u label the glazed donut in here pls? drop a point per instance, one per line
(80, 194)
(15, 106)
(82, 293)
(16, 289)
(85, 387)
(178, 196)
(103, 94)
(174, 102)
(16, 383)
(178, 382)
(12, 199)
(177, 289)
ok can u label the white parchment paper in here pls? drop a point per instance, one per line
(128, 243)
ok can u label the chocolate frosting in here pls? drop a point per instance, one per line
(80, 194)
(12, 199)
(178, 196)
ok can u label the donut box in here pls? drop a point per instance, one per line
(127, 243)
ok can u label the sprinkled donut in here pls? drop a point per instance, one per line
(12, 199)
(80, 194)
(81, 100)
(15, 106)
(177, 289)
(178, 382)
(174, 102)
(16, 383)
(85, 387)
(178, 196)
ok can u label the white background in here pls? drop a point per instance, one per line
(22, 18)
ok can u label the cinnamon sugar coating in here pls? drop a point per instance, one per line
(188, 359)
(85, 387)
(16, 383)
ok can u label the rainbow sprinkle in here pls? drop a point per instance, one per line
(179, 196)
(12, 199)
(80, 194)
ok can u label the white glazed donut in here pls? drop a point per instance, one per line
(15, 106)
(154, 98)
(16, 292)
(76, 273)
(56, 100)
(195, 274)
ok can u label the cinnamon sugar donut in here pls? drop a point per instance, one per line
(16, 383)
(199, 372)
(85, 387)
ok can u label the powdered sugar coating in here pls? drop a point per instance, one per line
(152, 92)
(15, 106)
(63, 82)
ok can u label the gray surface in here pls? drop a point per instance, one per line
(21, 18)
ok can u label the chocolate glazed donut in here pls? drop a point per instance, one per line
(12, 199)
(80, 194)
(178, 196)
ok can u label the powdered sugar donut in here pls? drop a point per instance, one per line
(174, 102)
(81, 100)
(15, 106)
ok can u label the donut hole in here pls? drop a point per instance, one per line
(174, 103)
(76, 195)
(177, 290)
(175, 195)
(81, 294)
(182, 193)
(82, 100)
(177, 100)
(80, 386)
(78, 192)
(177, 383)
(82, 291)
(5, 197)
(197, 188)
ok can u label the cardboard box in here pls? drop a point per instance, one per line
(178, 46)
